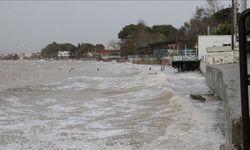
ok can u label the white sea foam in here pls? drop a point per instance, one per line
(122, 106)
(191, 129)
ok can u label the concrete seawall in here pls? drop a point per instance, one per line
(224, 80)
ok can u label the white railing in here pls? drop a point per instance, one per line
(185, 58)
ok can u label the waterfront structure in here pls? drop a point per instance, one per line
(160, 49)
(63, 54)
(25, 56)
(32, 56)
(154, 53)
(107, 55)
(186, 60)
(163, 49)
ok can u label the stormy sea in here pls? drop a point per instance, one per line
(105, 106)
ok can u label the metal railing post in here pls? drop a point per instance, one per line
(244, 78)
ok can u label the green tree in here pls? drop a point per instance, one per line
(223, 29)
(221, 22)
(139, 35)
(131, 37)
(51, 50)
(221, 16)
(168, 30)
(99, 47)
(69, 47)
(127, 31)
(84, 48)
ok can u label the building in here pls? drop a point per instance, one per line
(160, 49)
(154, 53)
(216, 49)
(63, 54)
(11, 56)
(108, 55)
(25, 56)
(206, 41)
(163, 49)
(30, 56)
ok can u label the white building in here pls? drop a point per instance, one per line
(63, 54)
(108, 54)
(205, 41)
(25, 56)
(216, 49)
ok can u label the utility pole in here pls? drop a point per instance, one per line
(232, 25)
(234, 11)
(235, 20)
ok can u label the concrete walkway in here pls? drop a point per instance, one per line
(224, 80)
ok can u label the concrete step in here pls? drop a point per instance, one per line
(229, 147)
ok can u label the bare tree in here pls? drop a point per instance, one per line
(212, 7)
(114, 44)
(142, 22)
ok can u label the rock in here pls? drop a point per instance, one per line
(198, 97)
(211, 97)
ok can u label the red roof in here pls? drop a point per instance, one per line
(108, 51)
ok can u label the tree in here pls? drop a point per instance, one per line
(143, 35)
(133, 36)
(99, 47)
(223, 29)
(127, 31)
(127, 47)
(114, 44)
(51, 50)
(197, 25)
(168, 30)
(69, 47)
(221, 16)
(212, 7)
(84, 48)
(139, 35)
(218, 19)
(221, 22)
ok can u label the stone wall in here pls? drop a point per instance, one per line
(224, 80)
(218, 55)
(219, 58)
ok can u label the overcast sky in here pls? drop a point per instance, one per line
(31, 25)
